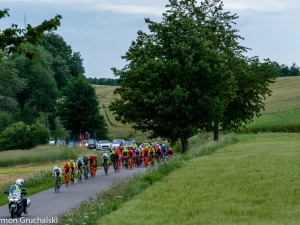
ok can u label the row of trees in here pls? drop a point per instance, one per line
(103, 81)
(286, 71)
(42, 82)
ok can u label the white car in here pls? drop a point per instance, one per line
(116, 143)
(103, 145)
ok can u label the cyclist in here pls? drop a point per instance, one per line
(145, 154)
(67, 169)
(104, 159)
(85, 160)
(130, 157)
(152, 154)
(158, 153)
(93, 164)
(163, 148)
(79, 164)
(56, 173)
(72, 165)
(169, 153)
(114, 158)
(119, 154)
(125, 157)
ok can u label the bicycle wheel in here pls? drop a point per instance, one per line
(72, 178)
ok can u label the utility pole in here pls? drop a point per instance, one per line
(25, 25)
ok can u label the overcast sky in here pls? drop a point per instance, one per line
(102, 30)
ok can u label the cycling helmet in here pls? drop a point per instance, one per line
(55, 168)
(20, 182)
(71, 161)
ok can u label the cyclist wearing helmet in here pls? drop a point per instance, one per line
(79, 163)
(72, 164)
(56, 173)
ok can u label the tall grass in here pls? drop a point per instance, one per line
(38, 154)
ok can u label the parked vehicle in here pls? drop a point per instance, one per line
(60, 142)
(72, 143)
(116, 143)
(51, 142)
(103, 145)
(92, 143)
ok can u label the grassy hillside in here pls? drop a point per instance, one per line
(282, 108)
(285, 96)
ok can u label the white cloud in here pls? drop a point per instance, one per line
(260, 5)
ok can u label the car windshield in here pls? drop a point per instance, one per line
(128, 142)
(104, 141)
(117, 141)
(91, 141)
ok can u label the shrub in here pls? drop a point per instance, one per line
(22, 136)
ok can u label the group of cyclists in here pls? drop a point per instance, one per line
(86, 167)
(136, 155)
(127, 156)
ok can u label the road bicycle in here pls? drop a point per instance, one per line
(125, 162)
(79, 178)
(105, 167)
(57, 184)
(152, 160)
(92, 170)
(115, 165)
(85, 172)
(72, 177)
(67, 179)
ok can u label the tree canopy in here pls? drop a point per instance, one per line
(79, 109)
(190, 74)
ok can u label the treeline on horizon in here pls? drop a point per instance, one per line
(103, 81)
(284, 71)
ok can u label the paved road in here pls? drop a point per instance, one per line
(47, 205)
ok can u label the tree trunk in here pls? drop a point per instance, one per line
(216, 130)
(184, 145)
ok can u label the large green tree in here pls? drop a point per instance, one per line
(78, 109)
(11, 39)
(40, 93)
(186, 74)
(65, 63)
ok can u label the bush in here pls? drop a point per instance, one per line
(22, 136)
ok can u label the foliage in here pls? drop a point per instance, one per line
(79, 109)
(189, 74)
(40, 93)
(285, 71)
(65, 62)
(22, 136)
(11, 39)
